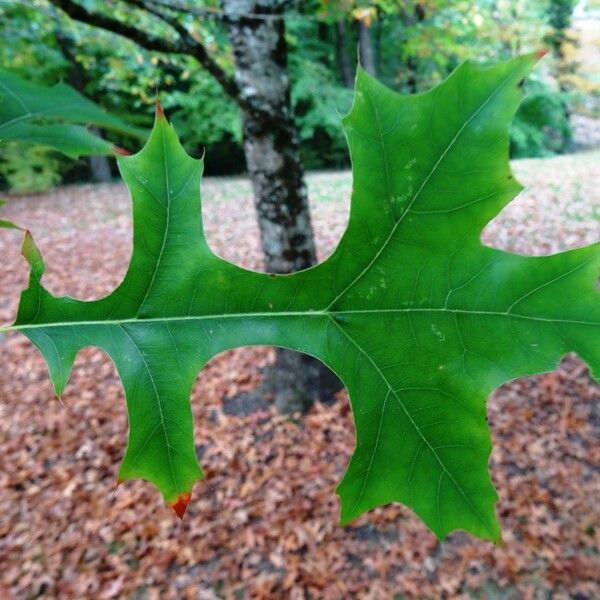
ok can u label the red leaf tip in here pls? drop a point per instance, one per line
(160, 113)
(121, 151)
(180, 505)
(541, 53)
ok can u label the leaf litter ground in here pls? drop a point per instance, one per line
(264, 524)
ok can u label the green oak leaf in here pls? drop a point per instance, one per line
(7, 224)
(416, 316)
(53, 116)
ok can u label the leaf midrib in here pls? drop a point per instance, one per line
(167, 225)
(277, 315)
(158, 404)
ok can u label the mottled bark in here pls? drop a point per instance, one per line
(273, 161)
(365, 48)
(341, 53)
(270, 136)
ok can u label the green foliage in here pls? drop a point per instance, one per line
(27, 168)
(46, 116)
(318, 99)
(418, 318)
(7, 224)
(421, 42)
(32, 48)
(541, 126)
(204, 112)
(559, 13)
(417, 44)
(318, 103)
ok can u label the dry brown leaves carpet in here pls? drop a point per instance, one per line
(264, 523)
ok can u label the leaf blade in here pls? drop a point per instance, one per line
(50, 116)
(403, 310)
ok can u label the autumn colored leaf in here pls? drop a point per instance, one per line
(418, 318)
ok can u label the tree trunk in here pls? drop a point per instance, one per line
(341, 53)
(100, 169)
(270, 136)
(100, 165)
(271, 148)
(365, 46)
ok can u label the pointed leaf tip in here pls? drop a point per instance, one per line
(541, 53)
(180, 505)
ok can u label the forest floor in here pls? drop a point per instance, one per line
(264, 523)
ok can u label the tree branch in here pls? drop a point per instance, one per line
(193, 47)
(186, 44)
